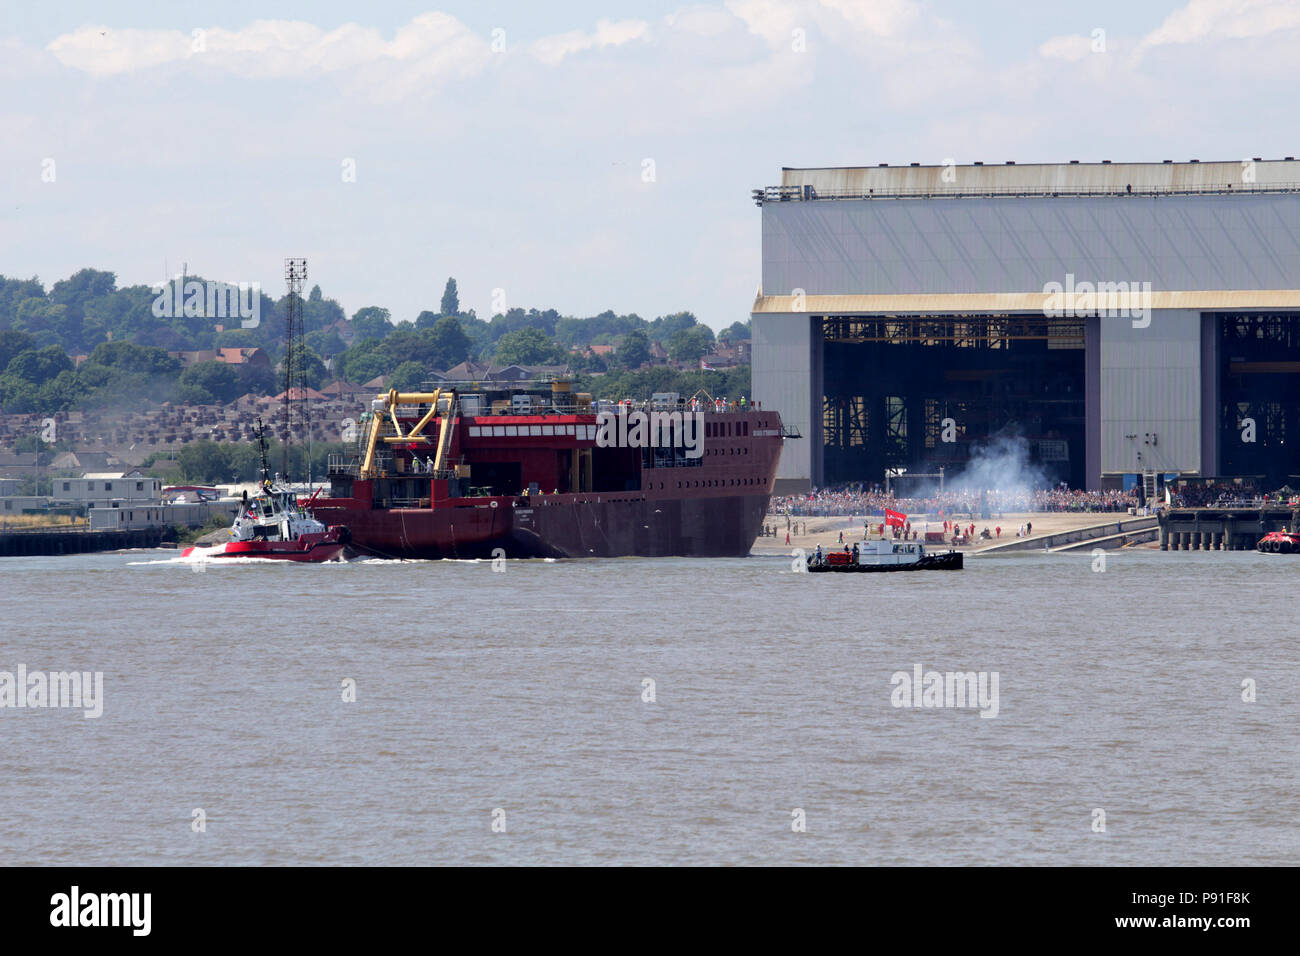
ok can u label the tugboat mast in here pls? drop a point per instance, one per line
(295, 410)
(261, 444)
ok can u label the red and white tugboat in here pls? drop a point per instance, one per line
(274, 525)
(1279, 542)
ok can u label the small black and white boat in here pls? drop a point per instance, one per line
(885, 555)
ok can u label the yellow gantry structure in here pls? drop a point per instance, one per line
(440, 401)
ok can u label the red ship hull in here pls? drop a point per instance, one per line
(711, 506)
(556, 526)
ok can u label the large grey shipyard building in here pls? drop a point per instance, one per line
(1123, 319)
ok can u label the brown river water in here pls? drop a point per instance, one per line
(504, 716)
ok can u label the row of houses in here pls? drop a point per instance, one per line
(253, 357)
(123, 436)
(15, 467)
(113, 439)
(722, 356)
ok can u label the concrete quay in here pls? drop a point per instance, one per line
(1223, 528)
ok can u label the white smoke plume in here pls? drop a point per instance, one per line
(1001, 464)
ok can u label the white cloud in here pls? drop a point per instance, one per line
(773, 20)
(1069, 48)
(701, 21)
(553, 49)
(432, 44)
(1225, 19)
(104, 52)
(883, 18)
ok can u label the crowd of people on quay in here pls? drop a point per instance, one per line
(1200, 496)
(866, 499)
(1217, 494)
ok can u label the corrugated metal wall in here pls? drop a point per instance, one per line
(784, 379)
(1020, 244)
(1151, 385)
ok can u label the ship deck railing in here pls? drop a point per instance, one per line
(610, 405)
(343, 465)
(350, 465)
(684, 407)
(595, 408)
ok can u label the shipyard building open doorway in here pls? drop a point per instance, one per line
(1259, 396)
(921, 392)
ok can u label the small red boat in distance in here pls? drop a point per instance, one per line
(1279, 542)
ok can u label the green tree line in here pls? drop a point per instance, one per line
(127, 332)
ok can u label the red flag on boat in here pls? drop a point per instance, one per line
(895, 519)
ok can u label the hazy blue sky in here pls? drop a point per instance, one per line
(506, 143)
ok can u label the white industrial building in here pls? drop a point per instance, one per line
(1120, 318)
(104, 490)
